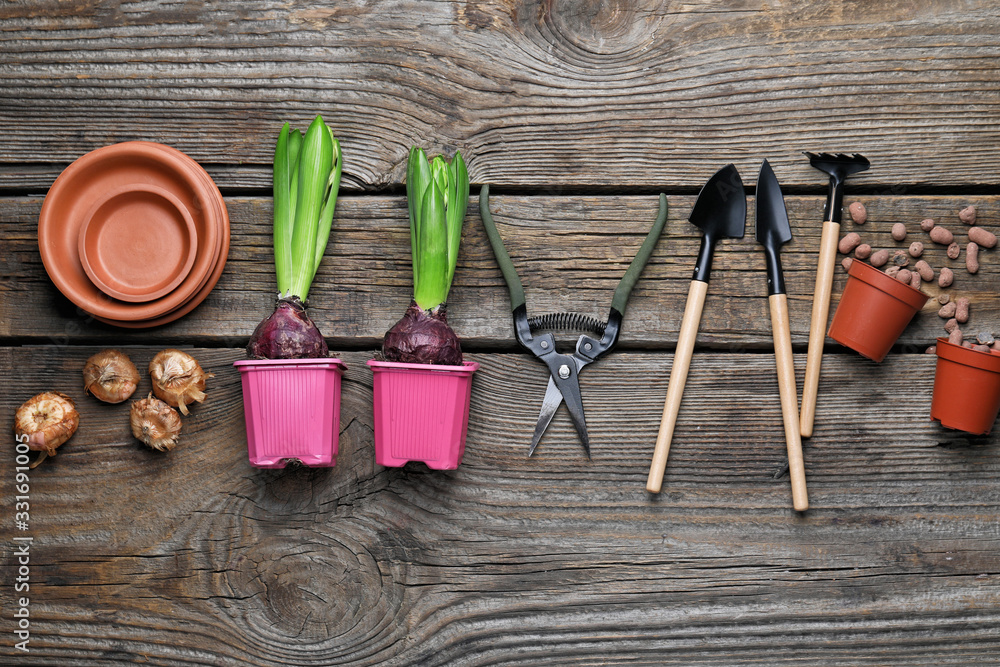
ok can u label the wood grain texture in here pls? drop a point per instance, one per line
(547, 94)
(570, 253)
(578, 112)
(195, 558)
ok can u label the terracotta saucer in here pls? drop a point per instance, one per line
(219, 208)
(89, 179)
(138, 243)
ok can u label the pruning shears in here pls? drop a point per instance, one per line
(564, 369)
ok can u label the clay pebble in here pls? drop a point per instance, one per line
(849, 243)
(858, 213)
(946, 277)
(927, 224)
(982, 237)
(981, 348)
(941, 235)
(968, 215)
(931, 350)
(892, 271)
(863, 251)
(962, 310)
(904, 276)
(955, 337)
(954, 250)
(900, 259)
(951, 325)
(899, 231)
(972, 257)
(947, 311)
(914, 279)
(879, 258)
(925, 270)
(944, 298)
(846, 263)
(916, 249)
(985, 338)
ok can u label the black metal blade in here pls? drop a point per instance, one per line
(721, 208)
(720, 212)
(841, 164)
(772, 218)
(772, 228)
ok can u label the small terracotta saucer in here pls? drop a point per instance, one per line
(138, 243)
(219, 206)
(88, 180)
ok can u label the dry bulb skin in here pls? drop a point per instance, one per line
(110, 376)
(155, 423)
(48, 420)
(178, 379)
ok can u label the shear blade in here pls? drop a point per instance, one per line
(553, 397)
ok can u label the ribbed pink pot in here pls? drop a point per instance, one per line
(292, 410)
(421, 413)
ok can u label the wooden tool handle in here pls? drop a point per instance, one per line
(817, 328)
(678, 378)
(789, 398)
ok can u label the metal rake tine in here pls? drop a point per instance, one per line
(835, 156)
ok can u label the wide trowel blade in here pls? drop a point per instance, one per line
(773, 229)
(721, 208)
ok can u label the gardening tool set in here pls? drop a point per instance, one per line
(422, 409)
(720, 212)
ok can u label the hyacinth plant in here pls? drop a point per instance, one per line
(307, 173)
(437, 192)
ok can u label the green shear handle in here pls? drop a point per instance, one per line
(624, 288)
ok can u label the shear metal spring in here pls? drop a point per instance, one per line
(567, 322)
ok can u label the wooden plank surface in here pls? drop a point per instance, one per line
(578, 113)
(570, 253)
(543, 94)
(194, 557)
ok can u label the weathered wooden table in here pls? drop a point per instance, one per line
(578, 114)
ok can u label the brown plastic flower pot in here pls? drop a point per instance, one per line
(966, 388)
(873, 311)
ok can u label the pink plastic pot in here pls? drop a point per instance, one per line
(292, 410)
(421, 413)
(966, 388)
